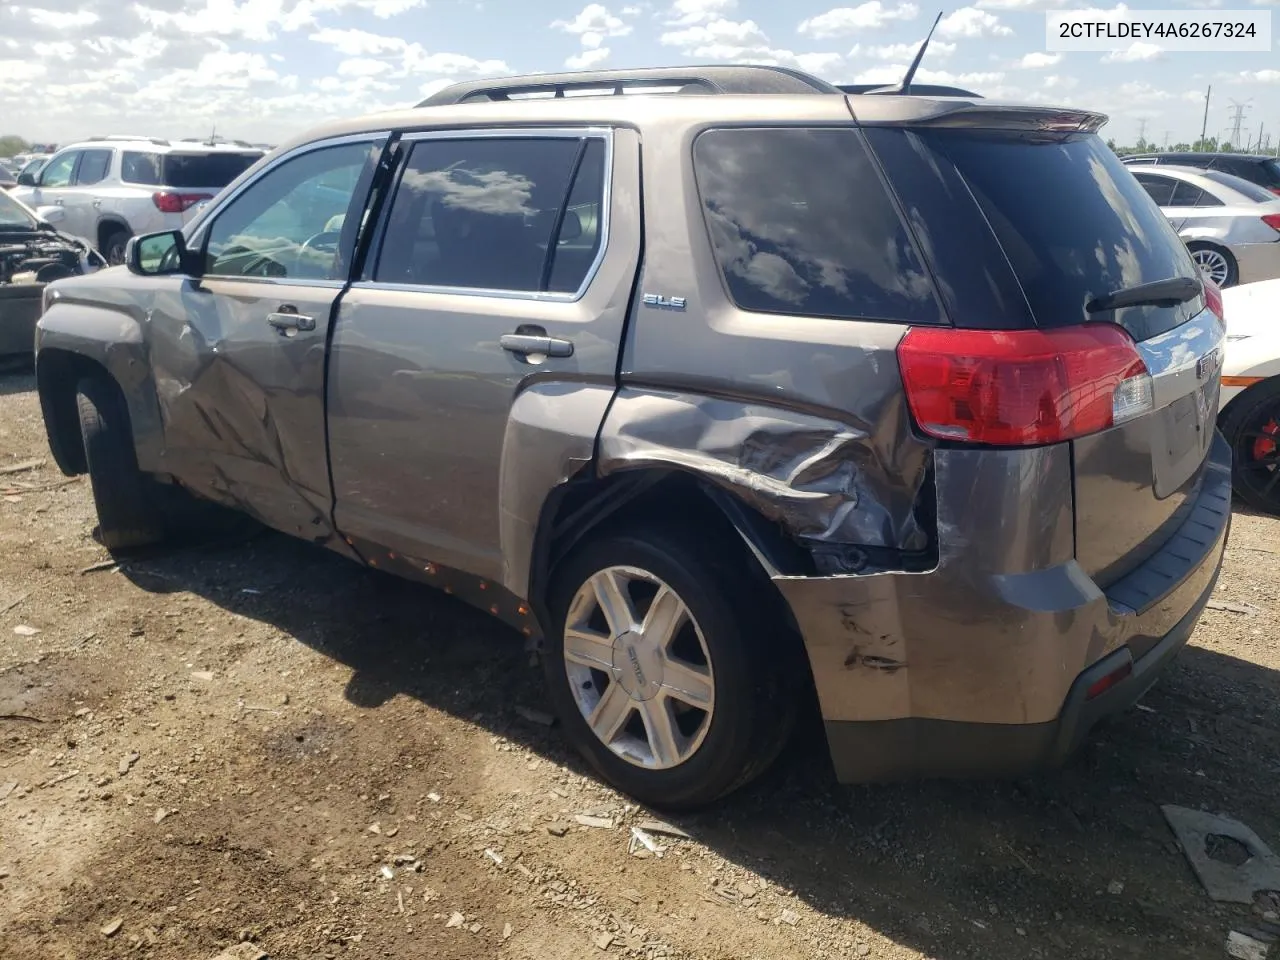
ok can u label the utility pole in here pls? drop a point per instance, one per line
(1260, 126)
(1204, 124)
(1237, 118)
(1166, 141)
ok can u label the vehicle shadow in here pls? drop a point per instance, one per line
(1077, 863)
(17, 375)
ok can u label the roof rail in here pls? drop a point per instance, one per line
(716, 79)
(917, 90)
(119, 137)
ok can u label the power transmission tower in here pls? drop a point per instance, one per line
(1237, 118)
(1142, 131)
(1166, 140)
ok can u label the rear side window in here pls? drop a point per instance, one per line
(94, 165)
(1160, 189)
(1271, 173)
(1093, 232)
(1188, 195)
(497, 213)
(212, 170)
(801, 224)
(140, 168)
(1239, 185)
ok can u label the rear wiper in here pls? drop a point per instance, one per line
(1158, 293)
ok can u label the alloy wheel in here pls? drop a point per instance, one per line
(639, 667)
(1213, 263)
(1257, 456)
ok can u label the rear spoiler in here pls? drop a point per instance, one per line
(917, 90)
(914, 111)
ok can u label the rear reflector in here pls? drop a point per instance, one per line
(1103, 684)
(1272, 220)
(1241, 381)
(1022, 387)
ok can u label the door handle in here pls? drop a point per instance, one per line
(97, 203)
(288, 320)
(59, 201)
(531, 343)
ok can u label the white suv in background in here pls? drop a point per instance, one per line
(112, 188)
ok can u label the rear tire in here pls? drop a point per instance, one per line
(128, 501)
(1216, 262)
(747, 672)
(1252, 427)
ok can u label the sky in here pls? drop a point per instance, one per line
(264, 70)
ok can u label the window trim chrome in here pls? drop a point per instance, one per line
(587, 132)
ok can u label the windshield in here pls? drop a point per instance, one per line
(14, 214)
(1251, 190)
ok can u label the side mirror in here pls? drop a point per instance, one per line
(159, 254)
(571, 228)
(51, 215)
(26, 180)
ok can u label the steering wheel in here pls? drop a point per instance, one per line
(325, 241)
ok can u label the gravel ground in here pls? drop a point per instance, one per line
(259, 741)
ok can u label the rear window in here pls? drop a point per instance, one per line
(1073, 221)
(1240, 185)
(1272, 167)
(182, 170)
(801, 224)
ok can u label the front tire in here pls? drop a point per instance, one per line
(127, 500)
(1252, 427)
(666, 667)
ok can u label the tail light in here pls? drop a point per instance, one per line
(1023, 387)
(1272, 220)
(167, 201)
(1275, 190)
(1213, 299)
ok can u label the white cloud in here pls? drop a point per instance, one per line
(685, 12)
(1261, 76)
(1021, 5)
(895, 72)
(1137, 52)
(594, 19)
(260, 20)
(362, 67)
(358, 43)
(1039, 61)
(1056, 82)
(60, 20)
(417, 60)
(716, 32)
(899, 51)
(970, 22)
(588, 59)
(845, 21)
(61, 50)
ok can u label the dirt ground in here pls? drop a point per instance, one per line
(257, 740)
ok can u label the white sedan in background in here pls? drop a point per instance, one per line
(1249, 411)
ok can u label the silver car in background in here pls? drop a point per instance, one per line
(1231, 226)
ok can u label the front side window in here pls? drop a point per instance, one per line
(289, 222)
(58, 172)
(516, 214)
(802, 225)
(94, 165)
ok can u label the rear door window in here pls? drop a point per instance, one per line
(1160, 189)
(801, 224)
(1093, 232)
(1186, 195)
(94, 165)
(185, 171)
(519, 214)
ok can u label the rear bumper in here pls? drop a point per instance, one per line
(20, 307)
(968, 672)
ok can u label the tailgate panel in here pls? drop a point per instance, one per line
(1133, 482)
